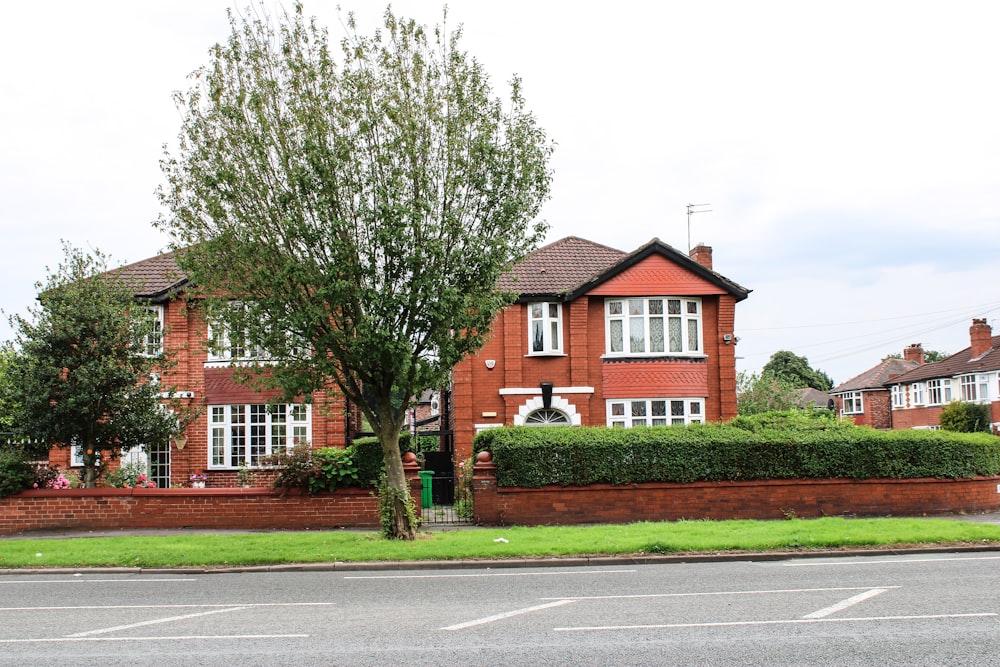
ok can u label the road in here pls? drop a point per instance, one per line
(887, 610)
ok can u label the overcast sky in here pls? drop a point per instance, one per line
(849, 151)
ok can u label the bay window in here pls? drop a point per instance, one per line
(245, 434)
(653, 326)
(938, 391)
(629, 413)
(974, 387)
(853, 404)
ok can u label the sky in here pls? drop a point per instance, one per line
(847, 153)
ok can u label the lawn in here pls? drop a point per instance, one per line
(241, 549)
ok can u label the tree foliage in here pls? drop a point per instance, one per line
(757, 394)
(7, 405)
(361, 211)
(796, 371)
(77, 375)
(963, 417)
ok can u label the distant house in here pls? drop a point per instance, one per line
(807, 397)
(971, 375)
(602, 337)
(866, 399)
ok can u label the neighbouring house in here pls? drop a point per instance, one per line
(235, 424)
(866, 399)
(602, 337)
(807, 397)
(971, 375)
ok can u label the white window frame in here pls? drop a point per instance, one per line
(898, 400)
(853, 403)
(638, 412)
(628, 321)
(223, 348)
(939, 391)
(241, 434)
(917, 393)
(545, 319)
(975, 387)
(152, 342)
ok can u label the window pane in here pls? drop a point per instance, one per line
(638, 408)
(618, 409)
(692, 307)
(675, 334)
(659, 422)
(555, 335)
(636, 306)
(692, 335)
(536, 310)
(616, 336)
(615, 307)
(677, 408)
(695, 407)
(656, 334)
(553, 310)
(656, 306)
(637, 334)
(658, 408)
(537, 342)
(674, 306)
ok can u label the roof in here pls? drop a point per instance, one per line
(154, 278)
(560, 267)
(809, 397)
(572, 266)
(960, 363)
(877, 377)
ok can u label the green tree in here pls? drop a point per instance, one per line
(965, 417)
(796, 371)
(757, 394)
(78, 375)
(930, 356)
(7, 406)
(362, 213)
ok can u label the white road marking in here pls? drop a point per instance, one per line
(508, 614)
(489, 574)
(900, 561)
(169, 606)
(797, 621)
(63, 582)
(844, 604)
(104, 631)
(55, 640)
(714, 593)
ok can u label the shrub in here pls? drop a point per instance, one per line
(17, 473)
(128, 476)
(965, 417)
(533, 457)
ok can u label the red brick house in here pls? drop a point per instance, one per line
(235, 424)
(971, 375)
(865, 398)
(600, 337)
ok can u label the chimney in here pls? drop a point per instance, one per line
(981, 336)
(702, 254)
(914, 352)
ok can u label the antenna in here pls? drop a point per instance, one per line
(691, 212)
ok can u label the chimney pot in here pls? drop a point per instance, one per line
(914, 352)
(981, 337)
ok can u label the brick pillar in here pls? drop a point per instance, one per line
(485, 503)
(411, 469)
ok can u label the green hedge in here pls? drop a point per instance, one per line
(747, 450)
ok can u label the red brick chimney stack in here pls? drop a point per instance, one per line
(914, 352)
(981, 336)
(702, 254)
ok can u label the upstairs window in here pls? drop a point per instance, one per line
(853, 404)
(653, 326)
(544, 328)
(152, 342)
(226, 345)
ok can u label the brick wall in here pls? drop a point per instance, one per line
(775, 499)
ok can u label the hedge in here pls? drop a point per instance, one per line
(533, 457)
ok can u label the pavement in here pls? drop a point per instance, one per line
(569, 561)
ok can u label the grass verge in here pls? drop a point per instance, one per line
(238, 549)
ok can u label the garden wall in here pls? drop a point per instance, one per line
(772, 499)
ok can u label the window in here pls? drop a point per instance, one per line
(655, 412)
(226, 346)
(938, 391)
(974, 387)
(244, 434)
(853, 404)
(544, 328)
(546, 417)
(648, 326)
(152, 344)
(917, 393)
(897, 396)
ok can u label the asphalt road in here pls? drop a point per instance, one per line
(918, 609)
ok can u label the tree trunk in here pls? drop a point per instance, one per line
(90, 458)
(403, 522)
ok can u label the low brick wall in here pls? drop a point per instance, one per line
(777, 499)
(254, 508)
